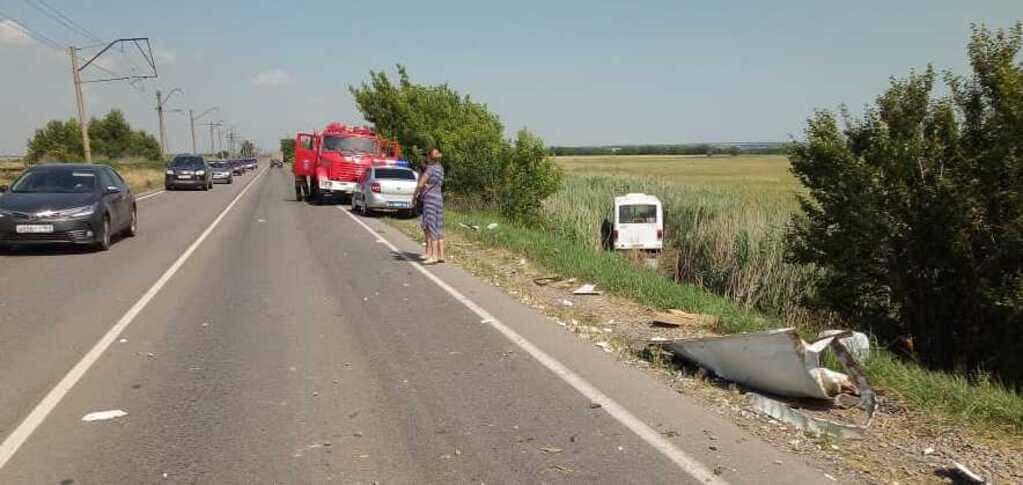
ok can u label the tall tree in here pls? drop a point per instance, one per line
(915, 211)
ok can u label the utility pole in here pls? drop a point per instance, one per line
(142, 43)
(191, 121)
(81, 104)
(212, 125)
(159, 111)
(192, 118)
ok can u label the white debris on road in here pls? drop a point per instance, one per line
(104, 415)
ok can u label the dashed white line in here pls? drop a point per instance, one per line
(687, 463)
(35, 418)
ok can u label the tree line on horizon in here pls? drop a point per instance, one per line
(678, 149)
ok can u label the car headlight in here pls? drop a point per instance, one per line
(72, 213)
(200, 172)
(170, 172)
(325, 184)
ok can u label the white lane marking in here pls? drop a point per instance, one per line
(104, 415)
(687, 463)
(35, 418)
(149, 195)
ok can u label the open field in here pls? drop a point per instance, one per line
(724, 218)
(758, 176)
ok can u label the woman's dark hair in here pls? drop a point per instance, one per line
(429, 152)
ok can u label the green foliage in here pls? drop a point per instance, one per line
(110, 137)
(529, 178)
(915, 212)
(288, 149)
(58, 140)
(248, 149)
(479, 162)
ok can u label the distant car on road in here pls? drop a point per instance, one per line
(276, 164)
(188, 171)
(385, 188)
(67, 203)
(237, 168)
(222, 173)
(251, 164)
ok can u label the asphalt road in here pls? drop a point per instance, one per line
(294, 344)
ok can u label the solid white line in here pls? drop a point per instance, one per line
(149, 195)
(35, 418)
(687, 463)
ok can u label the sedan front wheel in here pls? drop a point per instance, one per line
(103, 238)
(133, 224)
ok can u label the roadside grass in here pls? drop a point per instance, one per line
(141, 175)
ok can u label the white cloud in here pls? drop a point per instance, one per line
(272, 77)
(11, 33)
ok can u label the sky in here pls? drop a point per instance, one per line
(576, 72)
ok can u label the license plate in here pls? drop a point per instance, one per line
(184, 177)
(33, 228)
(398, 204)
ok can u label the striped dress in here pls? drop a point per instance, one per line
(433, 201)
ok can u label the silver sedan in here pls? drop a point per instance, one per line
(385, 189)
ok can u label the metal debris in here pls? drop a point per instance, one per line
(776, 361)
(789, 415)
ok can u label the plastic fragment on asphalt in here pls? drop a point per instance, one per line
(586, 290)
(261, 220)
(123, 340)
(551, 449)
(104, 415)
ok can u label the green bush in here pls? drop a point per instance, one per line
(915, 212)
(109, 137)
(480, 163)
(288, 149)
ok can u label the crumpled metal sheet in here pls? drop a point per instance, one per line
(775, 361)
(781, 363)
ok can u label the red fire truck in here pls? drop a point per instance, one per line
(329, 163)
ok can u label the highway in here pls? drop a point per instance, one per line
(250, 338)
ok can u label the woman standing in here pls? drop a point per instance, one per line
(430, 187)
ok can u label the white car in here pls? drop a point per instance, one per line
(386, 188)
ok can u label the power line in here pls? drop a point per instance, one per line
(72, 22)
(25, 29)
(62, 19)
